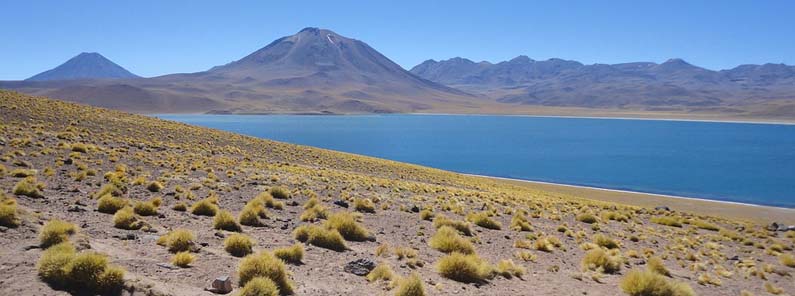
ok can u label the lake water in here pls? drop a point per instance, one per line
(749, 163)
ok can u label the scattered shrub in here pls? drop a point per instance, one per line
(770, 288)
(507, 269)
(225, 221)
(259, 286)
(182, 259)
(364, 205)
(314, 213)
(8, 212)
(179, 240)
(448, 240)
(29, 187)
(410, 286)
(648, 283)
(704, 225)
(787, 260)
(79, 147)
(604, 241)
(667, 221)
(599, 260)
(382, 272)
(85, 273)
(520, 223)
(264, 265)
(126, 219)
(587, 218)
(269, 202)
(464, 268)
(293, 254)
(461, 226)
(547, 244)
(180, 207)
(55, 231)
(280, 193)
(204, 207)
(426, 215)
(146, 208)
(253, 211)
(238, 245)
(656, 265)
(482, 219)
(23, 173)
(109, 204)
(347, 226)
(320, 236)
(155, 186)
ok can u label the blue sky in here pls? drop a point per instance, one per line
(153, 38)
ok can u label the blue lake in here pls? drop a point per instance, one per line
(749, 163)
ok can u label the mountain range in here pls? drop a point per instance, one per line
(317, 71)
(672, 85)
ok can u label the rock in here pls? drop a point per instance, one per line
(773, 226)
(76, 208)
(127, 236)
(415, 209)
(292, 203)
(30, 247)
(68, 161)
(221, 285)
(341, 203)
(662, 208)
(360, 267)
(734, 258)
(167, 266)
(219, 234)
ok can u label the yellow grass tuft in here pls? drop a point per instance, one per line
(448, 240)
(382, 272)
(648, 283)
(347, 226)
(179, 240)
(602, 261)
(259, 286)
(8, 211)
(320, 236)
(482, 219)
(204, 207)
(265, 265)
(225, 221)
(238, 245)
(293, 254)
(461, 226)
(126, 219)
(109, 204)
(464, 268)
(29, 187)
(410, 286)
(182, 259)
(55, 231)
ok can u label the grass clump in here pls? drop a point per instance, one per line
(587, 218)
(410, 286)
(704, 225)
(464, 268)
(547, 244)
(648, 283)
(482, 219)
(519, 223)
(109, 204)
(667, 221)
(55, 231)
(320, 236)
(204, 207)
(259, 286)
(382, 272)
(604, 241)
(347, 226)
(253, 211)
(448, 240)
(602, 261)
(180, 207)
(787, 260)
(656, 265)
(8, 212)
(155, 186)
(364, 205)
(238, 245)
(126, 219)
(86, 273)
(314, 213)
(179, 240)
(461, 226)
(265, 265)
(268, 201)
(293, 254)
(23, 173)
(280, 192)
(225, 221)
(147, 208)
(507, 269)
(426, 215)
(182, 259)
(29, 187)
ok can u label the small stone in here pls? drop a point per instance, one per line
(734, 258)
(360, 267)
(75, 208)
(415, 208)
(219, 234)
(68, 161)
(662, 208)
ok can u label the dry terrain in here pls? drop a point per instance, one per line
(100, 201)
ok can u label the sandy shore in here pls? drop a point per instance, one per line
(756, 213)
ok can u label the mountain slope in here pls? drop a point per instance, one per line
(671, 85)
(87, 65)
(312, 71)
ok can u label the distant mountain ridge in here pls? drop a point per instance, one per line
(87, 65)
(557, 82)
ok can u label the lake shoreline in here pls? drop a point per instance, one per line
(729, 209)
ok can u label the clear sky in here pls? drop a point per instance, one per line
(153, 38)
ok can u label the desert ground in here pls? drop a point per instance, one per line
(94, 201)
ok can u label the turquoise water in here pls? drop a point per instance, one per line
(749, 163)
